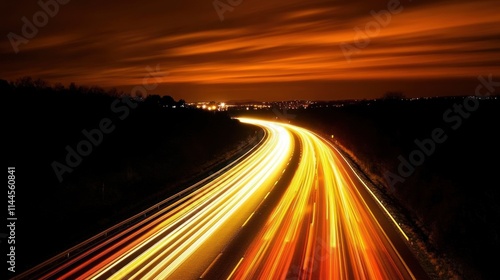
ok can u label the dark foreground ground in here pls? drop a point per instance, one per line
(86, 159)
(436, 159)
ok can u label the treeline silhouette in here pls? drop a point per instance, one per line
(453, 197)
(156, 145)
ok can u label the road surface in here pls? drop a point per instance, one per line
(293, 209)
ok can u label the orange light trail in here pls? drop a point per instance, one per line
(322, 227)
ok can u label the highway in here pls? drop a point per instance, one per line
(292, 209)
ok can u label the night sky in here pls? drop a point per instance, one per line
(257, 49)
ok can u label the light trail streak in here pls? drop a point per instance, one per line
(321, 226)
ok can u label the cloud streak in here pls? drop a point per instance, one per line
(108, 44)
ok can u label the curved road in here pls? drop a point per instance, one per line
(293, 209)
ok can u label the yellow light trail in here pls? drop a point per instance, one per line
(217, 210)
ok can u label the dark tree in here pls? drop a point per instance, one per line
(153, 99)
(181, 103)
(167, 101)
